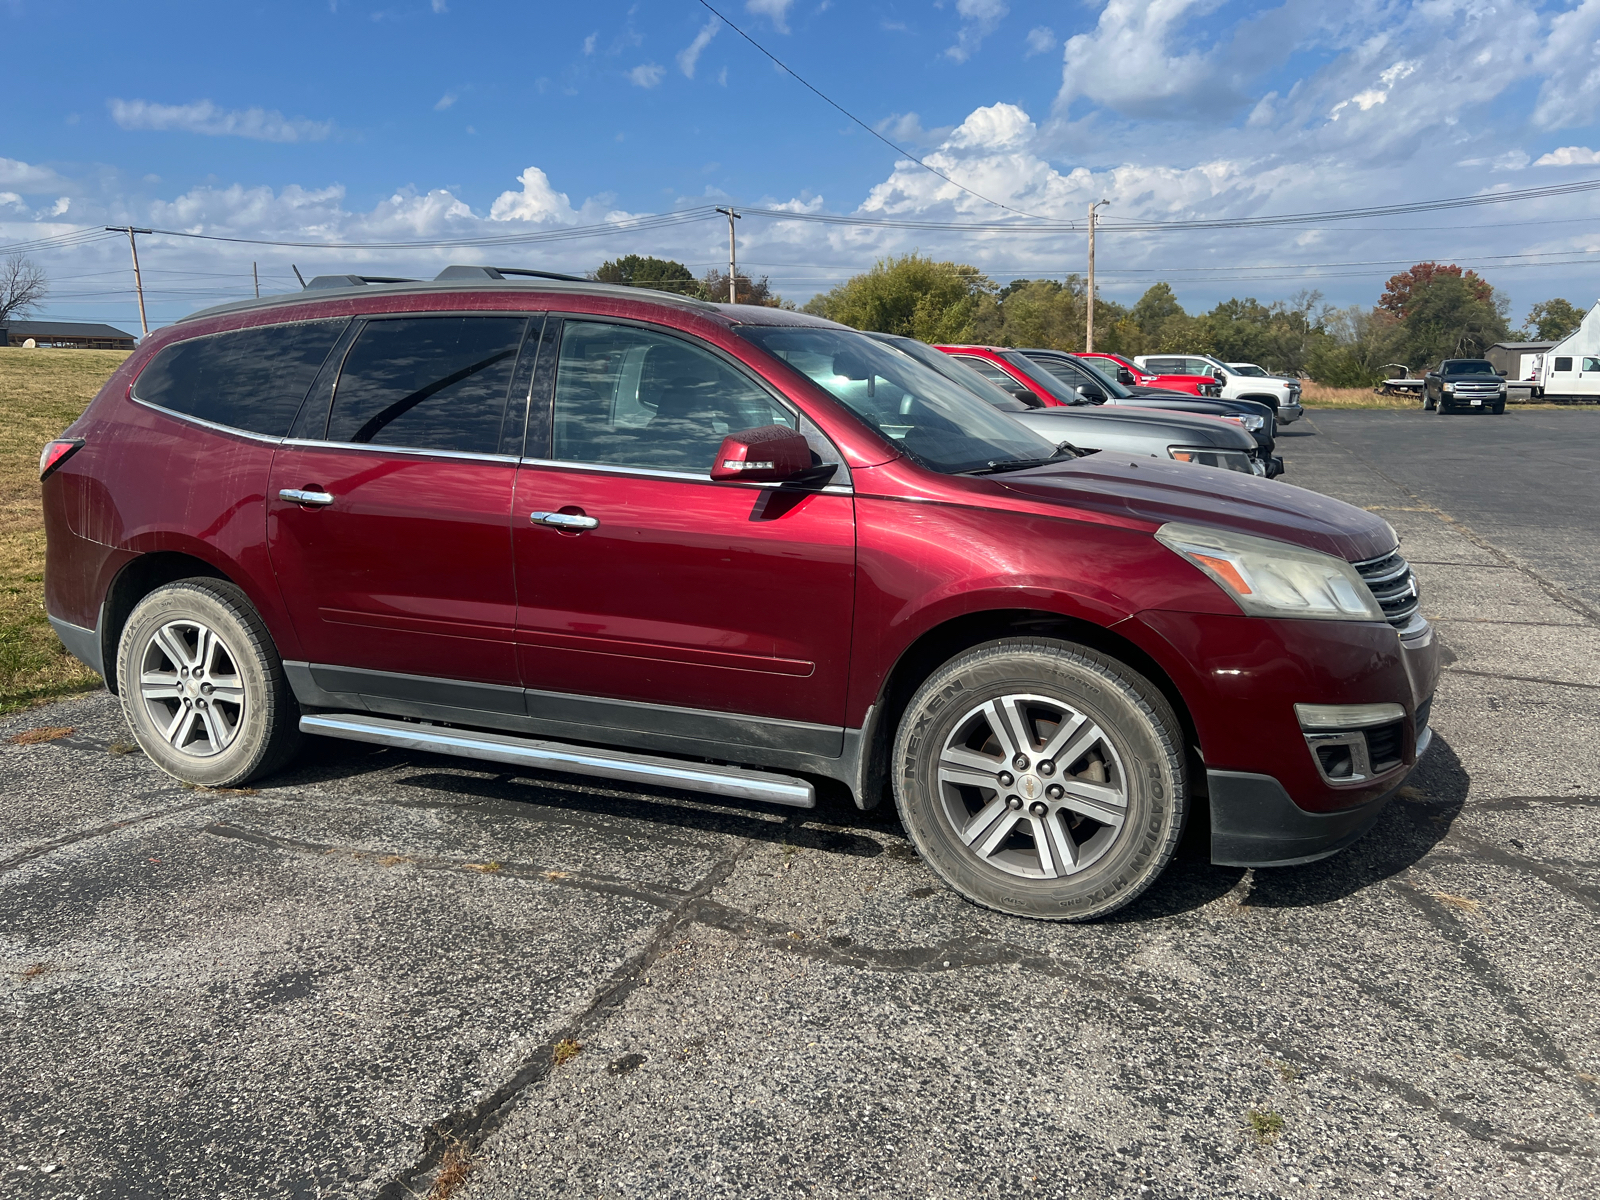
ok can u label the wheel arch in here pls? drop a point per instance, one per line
(132, 583)
(944, 641)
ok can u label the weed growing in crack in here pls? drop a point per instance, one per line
(454, 1168)
(565, 1051)
(1264, 1125)
(121, 748)
(49, 733)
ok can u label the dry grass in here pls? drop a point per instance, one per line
(41, 393)
(454, 1168)
(49, 733)
(565, 1051)
(1315, 395)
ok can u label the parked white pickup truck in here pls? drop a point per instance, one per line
(1240, 381)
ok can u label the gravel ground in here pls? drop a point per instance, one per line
(387, 969)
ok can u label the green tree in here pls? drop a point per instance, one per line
(1552, 320)
(1397, 293)
(910, 295)
(1450, 316)
(1281, 336)
(714, 287)
(663, 274)
(1359, 346)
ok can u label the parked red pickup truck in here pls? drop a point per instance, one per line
(1114, 365)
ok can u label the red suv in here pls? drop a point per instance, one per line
(1124, 372)
(613, 532)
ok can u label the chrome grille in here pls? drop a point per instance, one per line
(1393, 585)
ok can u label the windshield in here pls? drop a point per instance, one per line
(955, 372)
(1061, 376)
(1468, 366)
(937, 422)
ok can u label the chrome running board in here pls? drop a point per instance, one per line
(736, 782)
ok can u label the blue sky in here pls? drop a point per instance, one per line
(419, 120)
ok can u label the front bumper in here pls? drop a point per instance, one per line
(1254, 823)
(1290, 412)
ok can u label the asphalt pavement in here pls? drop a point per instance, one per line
(390, 974)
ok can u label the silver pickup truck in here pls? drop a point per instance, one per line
(1240, 381)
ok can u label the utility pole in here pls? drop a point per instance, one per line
(1088, 328)
(138, 283)
(733, 262)
(255, 275)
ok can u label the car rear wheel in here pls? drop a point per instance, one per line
(202, 686)
(1440, 408)
(1042, 779)
(1427, 401)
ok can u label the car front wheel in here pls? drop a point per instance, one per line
(202, 686)
(1042, 779)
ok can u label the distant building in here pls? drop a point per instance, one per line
(75, 335)
(1516, 360)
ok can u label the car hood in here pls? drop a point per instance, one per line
(1158, 491)
(1167, 424)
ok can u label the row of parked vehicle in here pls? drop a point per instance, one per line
(736, 550)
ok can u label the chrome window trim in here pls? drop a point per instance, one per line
(205, 424)
(380, 448)
(833, 489)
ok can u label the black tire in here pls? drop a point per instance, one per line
(1441, 408)
(989, 849)
(227, 715)
(1499, 408)
(1427, 401)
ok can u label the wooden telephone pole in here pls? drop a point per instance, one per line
(138, 283)
(1088, 331)
(733, 262)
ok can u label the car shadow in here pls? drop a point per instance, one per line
(1417, 818)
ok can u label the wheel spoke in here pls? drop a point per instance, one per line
(227, 688)
(1070, 741)
(1009, 726)
(1105, 804)
(215, 728)
(1058, 853)
(997, 834)
(178, 732)
(159, 685)
(205, 645)
(953, 773)
(172, 646)
(985, 817)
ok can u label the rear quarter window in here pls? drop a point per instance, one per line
(249, 379)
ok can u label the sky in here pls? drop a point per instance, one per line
(557, 127)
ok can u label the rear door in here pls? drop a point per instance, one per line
(389, 513)
(684, 606)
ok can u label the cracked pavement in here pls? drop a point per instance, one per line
(328, 986)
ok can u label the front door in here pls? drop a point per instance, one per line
(678, 604)
(389, 523)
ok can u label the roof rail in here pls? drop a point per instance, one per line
(501, 273)
(344, 281)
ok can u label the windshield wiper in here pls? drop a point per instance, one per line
(996, 466)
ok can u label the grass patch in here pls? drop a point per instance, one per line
(1315, 395)
(454, 1168)
(41, 393)
(32, 737)
(565, 1051)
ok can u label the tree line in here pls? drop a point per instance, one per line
(1430, 312)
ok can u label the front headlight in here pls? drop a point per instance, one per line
(1449, 387)
(1253, 424)
(1210, 456)
(1267, 578)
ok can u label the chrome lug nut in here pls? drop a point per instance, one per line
(1014, 802)
(1006, 779)
(1038, 808)
(1047, 767)
(1055, 791)
(1020, 762)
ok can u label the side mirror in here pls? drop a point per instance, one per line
(1088, 394)
(1028, 396)
(1125, 377)
(768, 454)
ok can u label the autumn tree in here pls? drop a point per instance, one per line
(1400, 289)
(1552, 320)
(713, 286)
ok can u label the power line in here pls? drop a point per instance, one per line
(898, 149)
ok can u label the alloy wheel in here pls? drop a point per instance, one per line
(191, 689)
(1032, 787)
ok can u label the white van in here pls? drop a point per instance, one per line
(1572, 367)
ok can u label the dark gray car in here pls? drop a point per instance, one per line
(1199, 439)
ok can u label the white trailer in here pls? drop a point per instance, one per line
(1571, 369)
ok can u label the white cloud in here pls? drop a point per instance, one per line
(1041, 40)
(60, 206)
(689, 56)
(13, 200)
(978, 20)
(1570, 94)
(777, 11)
(1128, 63)
(588, 42)
(647, 75)
(1569, 156)
(445, 101)
(205, 117)
(907, 127)
(27, 178)
(439, 6)
(1370, 98)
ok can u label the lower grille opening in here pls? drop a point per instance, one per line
(1337, 762)
(1386, 746)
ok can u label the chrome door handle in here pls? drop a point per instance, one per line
(558, 520)
(301, 496)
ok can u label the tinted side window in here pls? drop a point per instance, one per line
(988, 370)
(634, 398)
(1591, 364)
(1563, 364)
(251, 379)
(428, 383)
(1164, 366)
(1067, 372)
